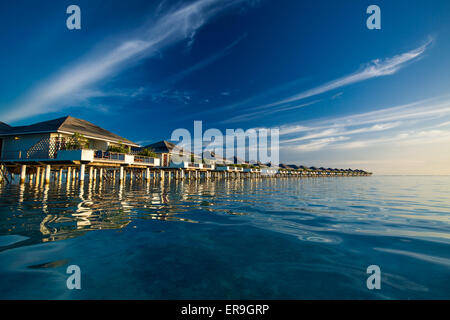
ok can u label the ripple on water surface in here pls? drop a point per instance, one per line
(252, 238)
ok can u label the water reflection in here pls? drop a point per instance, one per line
(313, 210)
(55, 212)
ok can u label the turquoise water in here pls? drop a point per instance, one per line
(286, 238)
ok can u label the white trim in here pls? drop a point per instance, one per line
(65, 132)
(101, 139)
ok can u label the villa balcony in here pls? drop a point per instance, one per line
(16, 155)
(105, 156)
(186, 165)
(81, 155)
(143, 160)
(269, 171)
(114, 157)
(229, 168)
(209, 166)
(223, 168)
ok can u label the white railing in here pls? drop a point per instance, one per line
(144, 160)
(111, 156)
(253, 170)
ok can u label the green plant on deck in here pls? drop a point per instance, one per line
(77, 142)
(148, 152)
(243, 165)
(121, 148)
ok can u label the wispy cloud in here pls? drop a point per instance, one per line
(264, 96)
(342, 131)
(413, 137)
(426, 109)
(374, 69)
(319, 144)
(419, 122)
(170, 28)
(337, 95)
(257, 114)
(204, 63)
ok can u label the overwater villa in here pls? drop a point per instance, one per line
(169, 153)
(43, 140)
(66, 144)
(72, 148)
(172, 156)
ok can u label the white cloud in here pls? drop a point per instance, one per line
(374, 69)
(340, 131)
(414, 123)
(318, 144)
(257, 114)
(422, 110)
(170, 28)
(413, 138)
(206, 62)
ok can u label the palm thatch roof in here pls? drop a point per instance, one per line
(68, 125)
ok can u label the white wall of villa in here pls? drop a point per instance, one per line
(192, 165)
(269, 171)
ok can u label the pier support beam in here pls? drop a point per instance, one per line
(82, 172)
(121, 174)
(147, 174)
(23, 173)
(38, 174)
(43, 175)
(91, 173)
(48, 169)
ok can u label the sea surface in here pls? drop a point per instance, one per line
(285, 238)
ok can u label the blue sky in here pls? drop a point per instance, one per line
(342, 95)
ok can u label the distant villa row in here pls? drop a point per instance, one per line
(73, 148)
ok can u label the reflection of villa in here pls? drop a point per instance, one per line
(71, 148)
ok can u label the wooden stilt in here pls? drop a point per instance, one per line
(23, 173)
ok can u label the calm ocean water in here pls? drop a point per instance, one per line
(250, 239)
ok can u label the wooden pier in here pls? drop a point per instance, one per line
(45, 173)
(70, 149)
